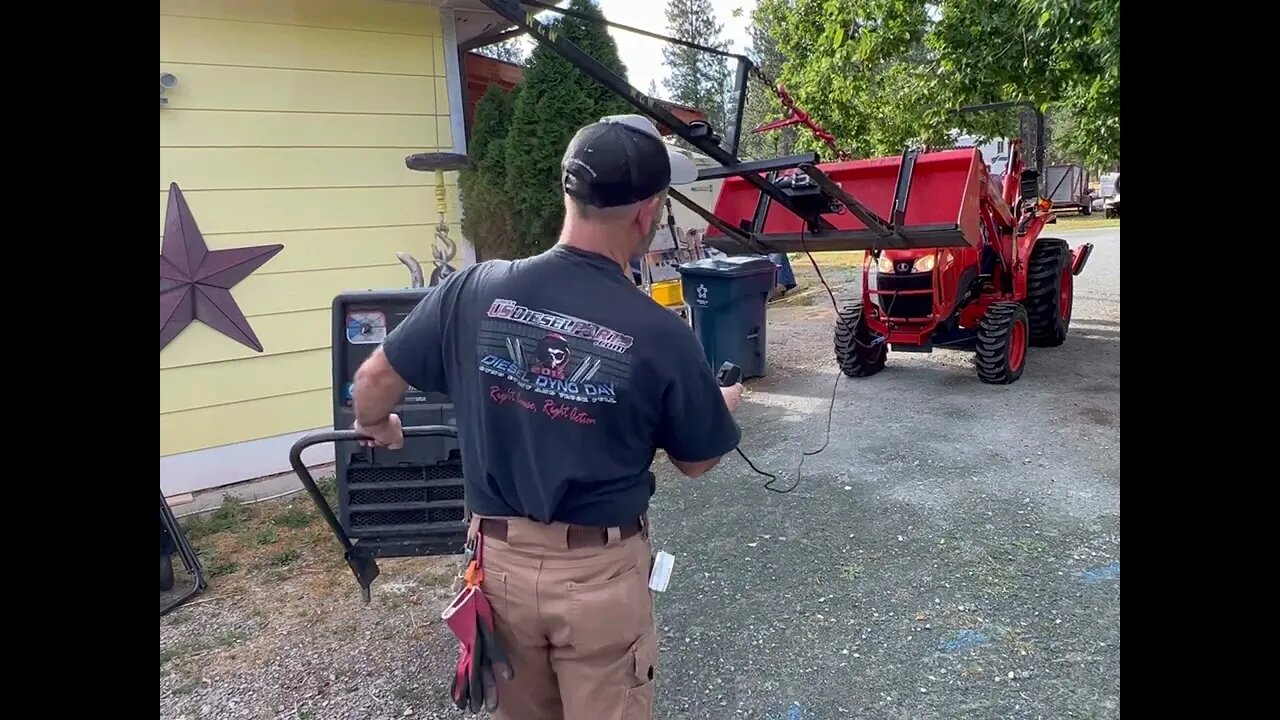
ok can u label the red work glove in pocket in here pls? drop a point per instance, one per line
(470, 618)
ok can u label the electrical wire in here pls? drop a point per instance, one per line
(831, 405)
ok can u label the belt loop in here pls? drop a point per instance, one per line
(614, 537)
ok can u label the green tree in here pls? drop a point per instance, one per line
(857, 67)
(881, 73)
(697, 78)
(762, 102)
(1063, 56)
(487, 217)
(555, 100)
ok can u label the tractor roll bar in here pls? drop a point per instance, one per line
(1022, 104)
(362, 565)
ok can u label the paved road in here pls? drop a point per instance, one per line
(954, 553)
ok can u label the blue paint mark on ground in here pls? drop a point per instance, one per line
(794, 712)
(964, 640)
(1110, 571)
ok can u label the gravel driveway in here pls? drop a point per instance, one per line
(953, 553)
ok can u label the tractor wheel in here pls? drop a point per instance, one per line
(1050, 291)
(858, 350)
(1002, 343)
(166, 572)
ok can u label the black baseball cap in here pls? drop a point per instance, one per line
(622, 160)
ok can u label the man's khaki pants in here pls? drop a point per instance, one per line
(578, 624)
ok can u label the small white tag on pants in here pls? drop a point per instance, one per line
(661, 574)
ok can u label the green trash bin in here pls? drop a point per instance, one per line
(728, 299)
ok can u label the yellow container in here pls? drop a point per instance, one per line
(667, 293)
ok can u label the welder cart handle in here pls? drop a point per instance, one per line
(364, 567)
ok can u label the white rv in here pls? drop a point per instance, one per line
(994, 152)
(662, 259)
(703, 192)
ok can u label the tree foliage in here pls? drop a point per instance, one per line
(882, 73)
(762, 103)
(554, 101)
(697, 78)
(487, 217)
(1060, 54)
(856, 66)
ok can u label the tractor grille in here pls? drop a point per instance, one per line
(403, 500)
(905, 306)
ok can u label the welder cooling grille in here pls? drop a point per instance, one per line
(384, 474)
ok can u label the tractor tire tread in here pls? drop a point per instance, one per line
(992, 352)
(856, 354)
(1044, 277)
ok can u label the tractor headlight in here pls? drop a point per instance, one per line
(884, 265)
(925, 264)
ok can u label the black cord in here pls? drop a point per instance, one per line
(831, 406)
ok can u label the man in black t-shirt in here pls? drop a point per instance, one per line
(566, 380)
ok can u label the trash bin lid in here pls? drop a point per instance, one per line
(729, 266)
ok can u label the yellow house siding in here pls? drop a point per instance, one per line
(289, 124)
(294, 209)
(370, 16)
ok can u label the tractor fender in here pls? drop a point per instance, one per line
(1080, 257)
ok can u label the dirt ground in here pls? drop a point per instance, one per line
(953, 553)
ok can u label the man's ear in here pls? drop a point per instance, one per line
(653, 206)
(641, 216)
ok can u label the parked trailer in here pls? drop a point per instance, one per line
(1067, 187)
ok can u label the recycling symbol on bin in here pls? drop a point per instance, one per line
(702, 293)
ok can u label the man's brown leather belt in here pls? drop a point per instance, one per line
(580, 536)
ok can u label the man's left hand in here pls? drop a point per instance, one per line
(386, 434)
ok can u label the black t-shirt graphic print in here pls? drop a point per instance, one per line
(565, 379)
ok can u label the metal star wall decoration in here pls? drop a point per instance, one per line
(196, 282)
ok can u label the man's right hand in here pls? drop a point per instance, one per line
(386, 434)
(732, 395)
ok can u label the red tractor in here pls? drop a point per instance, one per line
(962, 263)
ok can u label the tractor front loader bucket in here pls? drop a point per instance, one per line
(360, 559)
(918, 200)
